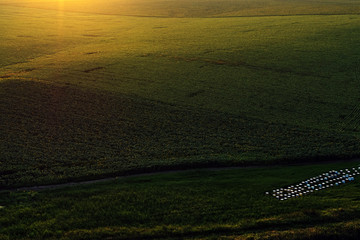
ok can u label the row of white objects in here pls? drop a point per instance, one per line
(323, 181)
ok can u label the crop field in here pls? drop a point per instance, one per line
(69, 133)
(114, 94)
(96, 89)
(198, 204)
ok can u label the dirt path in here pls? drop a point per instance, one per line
(70, 184)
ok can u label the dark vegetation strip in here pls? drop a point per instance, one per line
(337, 229)
(349, 230)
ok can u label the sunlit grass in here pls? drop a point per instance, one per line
(199, 8)
(295, 70)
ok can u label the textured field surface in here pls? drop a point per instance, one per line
(56, 133)
(198, 8)
(194, 205)
(299, 70)
(93, 89)
(86, 95)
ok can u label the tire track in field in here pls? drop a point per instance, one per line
(108, 179)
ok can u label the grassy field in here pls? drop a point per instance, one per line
(298, 70)
(87, 95)
(226, 204)
(93, 89)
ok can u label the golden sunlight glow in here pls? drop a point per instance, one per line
(60, 14)
(61, 5)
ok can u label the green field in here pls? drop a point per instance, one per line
(96, 89)
(60, 133)
(117, 94)
(227, 204)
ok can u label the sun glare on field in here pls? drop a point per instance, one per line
(60, 5)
